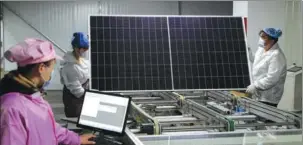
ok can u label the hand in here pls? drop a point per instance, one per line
(251, 89)
(84, 139)
(248, 48)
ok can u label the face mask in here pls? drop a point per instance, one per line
(261, 43)
(82, 54)
(46, 83)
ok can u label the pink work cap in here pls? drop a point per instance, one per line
(31, 51)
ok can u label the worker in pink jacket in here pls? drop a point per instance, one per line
(25, 117)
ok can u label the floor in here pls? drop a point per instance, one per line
(55, 100)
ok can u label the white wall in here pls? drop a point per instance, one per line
(261, 15)
(206, 8)
(240, 8)
(13, 26)
(57, 20)
(280, 14)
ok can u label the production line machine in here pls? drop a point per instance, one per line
(170, 113)
(245, 113)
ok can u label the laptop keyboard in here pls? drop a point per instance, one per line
(100, 140)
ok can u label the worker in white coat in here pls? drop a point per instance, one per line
(269, 69)
(75, 75)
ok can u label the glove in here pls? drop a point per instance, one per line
(251, 89)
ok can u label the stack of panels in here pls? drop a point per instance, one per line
(131, 53)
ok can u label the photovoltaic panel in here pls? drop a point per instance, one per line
(208, 53)
(130, 53)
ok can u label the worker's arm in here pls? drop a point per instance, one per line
(251, 55)
(70, 79)
(277, 66)
(63, 135)
(12, 129)
(66, 136)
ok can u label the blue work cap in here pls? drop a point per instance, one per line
(80, 40)
(273, 32)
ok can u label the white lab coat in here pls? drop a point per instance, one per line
(73, 75)
(269, 74)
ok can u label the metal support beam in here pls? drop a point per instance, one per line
(26, 22)
(264, 124)
(99, 7)
(135, 99)
(191, 128)
(179, 8)
(1, 11)
(161, 102)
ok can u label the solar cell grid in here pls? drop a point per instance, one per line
(130, 53)
(208, 53)
(145, 53)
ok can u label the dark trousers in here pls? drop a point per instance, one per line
(270, 104)
(72, 104)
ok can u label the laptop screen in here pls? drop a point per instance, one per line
(104, 111)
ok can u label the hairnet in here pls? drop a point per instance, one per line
(31, 51)
(80, 40)
(273, 32)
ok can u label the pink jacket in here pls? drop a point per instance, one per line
(29, 120)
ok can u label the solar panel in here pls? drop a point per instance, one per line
(208, 53)
(130, 53)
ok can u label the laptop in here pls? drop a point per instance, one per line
(105, 113)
